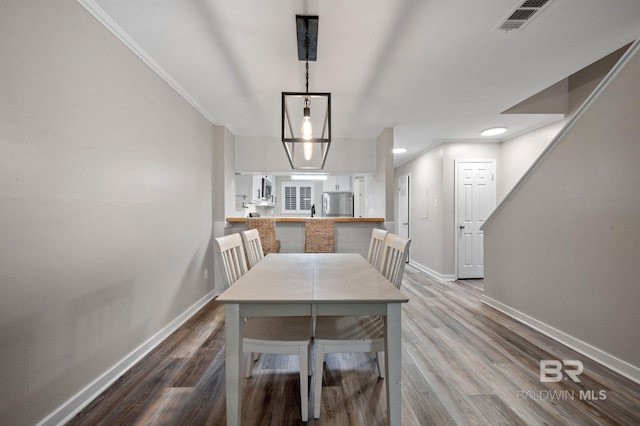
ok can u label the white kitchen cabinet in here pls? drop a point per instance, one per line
(244, 186)
(337, 183)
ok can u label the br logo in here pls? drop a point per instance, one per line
(551, 370)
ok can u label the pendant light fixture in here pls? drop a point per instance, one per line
(306, 116)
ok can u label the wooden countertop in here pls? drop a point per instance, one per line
(302, 219)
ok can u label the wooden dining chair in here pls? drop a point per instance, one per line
(252, 246)
(254, 253)
(232, 258)
(376, 247)
(343, 334)
(394, 258)
(268, 335)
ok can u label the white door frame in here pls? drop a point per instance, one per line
(456, 162)
(406, 176)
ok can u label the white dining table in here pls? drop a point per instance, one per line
(305, 284)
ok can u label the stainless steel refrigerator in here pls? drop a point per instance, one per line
(337, 204)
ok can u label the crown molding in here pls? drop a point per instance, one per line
(105, 19)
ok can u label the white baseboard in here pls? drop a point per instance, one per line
(431, 272)
(616, 364)
(66, 411)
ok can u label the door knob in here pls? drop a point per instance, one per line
(461, 227)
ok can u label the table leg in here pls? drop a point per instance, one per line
(392, 354)
(233, 362)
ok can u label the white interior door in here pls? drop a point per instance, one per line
(403, 206)
(475, 200)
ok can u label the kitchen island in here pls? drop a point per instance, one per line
(353, 234)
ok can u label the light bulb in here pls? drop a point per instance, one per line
(307, 150)
(307, 131)
(306, 128)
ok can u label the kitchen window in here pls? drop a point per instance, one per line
(297, 197)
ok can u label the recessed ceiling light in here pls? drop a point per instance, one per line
(493, 131)
(399, 150)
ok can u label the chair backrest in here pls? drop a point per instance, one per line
(319, 235)
(394, 257)
(232, 257)
(252, 246)
(267, 228)
(375, 246)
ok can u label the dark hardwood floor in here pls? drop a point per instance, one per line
(462, 363)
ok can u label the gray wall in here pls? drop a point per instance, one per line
(564, 248)
(519, 153)
(105, 204)
(431, 216)
(425, 219)
(378, 188)
(432, 173)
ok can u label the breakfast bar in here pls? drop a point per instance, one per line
(352, 234)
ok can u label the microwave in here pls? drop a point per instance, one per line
(267, 189)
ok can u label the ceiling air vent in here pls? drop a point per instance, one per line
(522, 14)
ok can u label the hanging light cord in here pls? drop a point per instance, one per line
(307, 42)
(307, 75)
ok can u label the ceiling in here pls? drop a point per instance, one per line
(434, 70)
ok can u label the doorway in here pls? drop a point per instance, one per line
(475, 200)
(403, 207)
